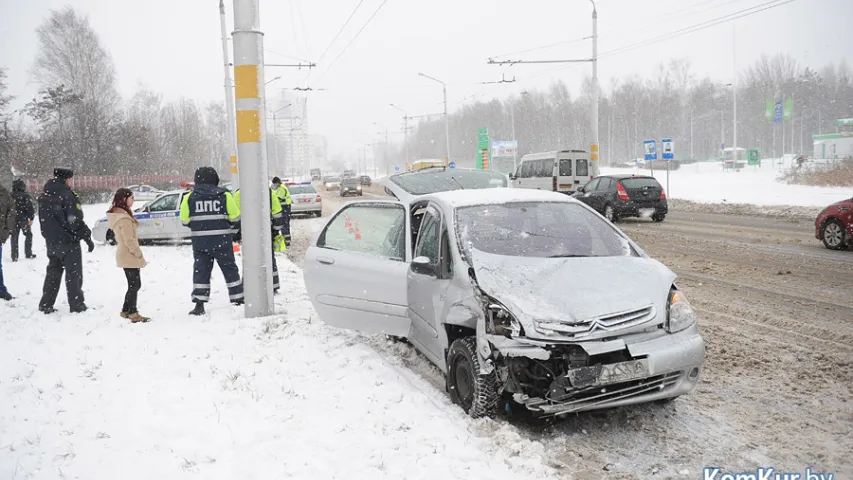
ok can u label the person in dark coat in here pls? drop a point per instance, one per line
(63, 228)
(213, 217)
(7, 224)
(24, 216)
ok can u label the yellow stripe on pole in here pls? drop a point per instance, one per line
(248, 126)
(593, 148)
(246, 81)
(233, 162)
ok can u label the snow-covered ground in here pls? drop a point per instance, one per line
(92, 396)
(708, 183)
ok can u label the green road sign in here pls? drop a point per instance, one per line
(753, 157)
(483, 144)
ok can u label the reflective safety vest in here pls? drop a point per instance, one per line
(211, 214)
(283, 194)
(276, 212)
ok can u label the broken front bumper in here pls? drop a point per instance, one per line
(674, 363)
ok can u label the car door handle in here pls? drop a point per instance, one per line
(325, 260)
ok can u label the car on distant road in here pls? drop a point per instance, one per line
(511, 294)
(623, 195)
(144, 193)
(332, 183)
(834, 225)
(350, 186)
(306, 200)
(158, 221)
(365, 180)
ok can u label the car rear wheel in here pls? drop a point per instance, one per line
(111, 237)
(476, 393)
(833, 235)
(609, 213)
(658, 217)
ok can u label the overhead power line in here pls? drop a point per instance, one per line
(353, 39)
(323, 55)
(701, 26)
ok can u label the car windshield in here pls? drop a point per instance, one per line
(424, 183)
(538, 229)
(640, 182)
(351, 182)
(301, 189)
(333, 180)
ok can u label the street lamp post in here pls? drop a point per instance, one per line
(406, 133)
(275, 139)
(385, 151)
(446, 118)
(593, 154)
(229, 103)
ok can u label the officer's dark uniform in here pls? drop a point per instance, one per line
(24, 214)
(63, 228)
(277, 222)
(213, 216)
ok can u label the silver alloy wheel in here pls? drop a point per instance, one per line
(833, 234)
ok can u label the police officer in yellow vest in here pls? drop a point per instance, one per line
(283, 194)
(276, 220)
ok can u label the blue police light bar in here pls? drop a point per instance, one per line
(305, 183)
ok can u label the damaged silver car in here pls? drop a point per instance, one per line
(516, 295)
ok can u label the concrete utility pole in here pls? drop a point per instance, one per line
(279, 168)
(446, 118)
(385, 150)
(406, 132)
(229, 101)
(594, 145)
(251, 136)
(734, 96)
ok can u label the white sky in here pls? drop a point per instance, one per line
(174, 47)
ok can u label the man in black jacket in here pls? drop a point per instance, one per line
(24, 216)
(63, 228)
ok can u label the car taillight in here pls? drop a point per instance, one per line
(662, 194)
(319, 198)
(621, 192)
(554, 183)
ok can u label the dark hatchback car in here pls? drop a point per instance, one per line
(834, 225)
(618, 196)
(350, 186)
(365, 180)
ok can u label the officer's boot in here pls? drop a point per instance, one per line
(198, 310)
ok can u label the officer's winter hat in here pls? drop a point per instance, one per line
(276, 180)
(63, 173)
(206, 175)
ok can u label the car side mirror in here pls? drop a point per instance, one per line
(423, 266)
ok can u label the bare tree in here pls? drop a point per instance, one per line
(71, 54)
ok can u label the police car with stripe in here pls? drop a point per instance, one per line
(158, 220)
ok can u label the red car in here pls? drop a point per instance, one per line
(834, 225)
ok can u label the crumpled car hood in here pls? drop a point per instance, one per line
(571, 289)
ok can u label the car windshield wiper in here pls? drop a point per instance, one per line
(568, 255)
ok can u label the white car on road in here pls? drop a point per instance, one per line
(144, 193)
(518, 296)
(305, 199)
(159, 220)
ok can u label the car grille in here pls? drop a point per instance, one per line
(598, 325)
(600, 396)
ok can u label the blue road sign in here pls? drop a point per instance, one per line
(396, 168)
(452, 164)
(778, 111)
(668, 148)
(650, 149)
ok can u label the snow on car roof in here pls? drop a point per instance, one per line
(486, 196)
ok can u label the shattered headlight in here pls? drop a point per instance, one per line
(499, 321)
(679, 314)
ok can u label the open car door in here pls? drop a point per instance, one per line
(355, 271)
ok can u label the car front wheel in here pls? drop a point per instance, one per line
(476, 393)
(833, 235)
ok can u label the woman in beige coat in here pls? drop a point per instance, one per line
(128, 254)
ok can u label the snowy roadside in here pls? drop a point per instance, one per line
(92, 396)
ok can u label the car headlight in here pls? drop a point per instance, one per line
(499, 321)
(679, 314)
